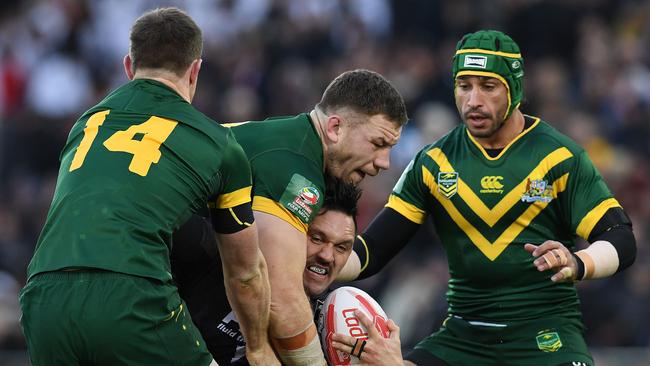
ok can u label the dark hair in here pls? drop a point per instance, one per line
(165, 38)
(366, 92)
(341, 196)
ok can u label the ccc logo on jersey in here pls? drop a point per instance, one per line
(491, 184)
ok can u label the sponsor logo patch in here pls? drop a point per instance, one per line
(537, 190)
(475, 61)
(309, 195)
(447, 183)
(548, 341)
(302, 198)
(491, 184)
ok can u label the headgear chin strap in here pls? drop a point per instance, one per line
(493, 54)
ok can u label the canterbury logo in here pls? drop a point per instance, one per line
(491, 184)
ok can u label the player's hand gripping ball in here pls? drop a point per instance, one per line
(338, 316)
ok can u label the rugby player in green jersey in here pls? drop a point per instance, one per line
(134, 168)
(348, 135)
(508, 196)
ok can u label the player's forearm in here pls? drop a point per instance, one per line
(388, 233)
(610, 252)
(291, 321)
(247, 284)
(249, 296)
(292, 328)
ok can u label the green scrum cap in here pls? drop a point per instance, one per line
(494, 54)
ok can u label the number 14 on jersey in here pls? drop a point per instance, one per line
(145, 151)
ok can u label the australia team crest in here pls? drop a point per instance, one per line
(548, 341)
(448, 183)
(537, 190)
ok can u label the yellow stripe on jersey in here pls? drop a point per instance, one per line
(591, 219)
(406, 209)
(235, 198)
(522, 134)
(492, 216)
(493, 249)
(271, 207)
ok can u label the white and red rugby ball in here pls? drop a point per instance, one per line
(337, 316)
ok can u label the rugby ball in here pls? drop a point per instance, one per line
(337, 316)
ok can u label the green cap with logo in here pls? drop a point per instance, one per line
(494, 54)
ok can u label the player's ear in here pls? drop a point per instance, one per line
(128, 67)
(333, 128)
(194, 70)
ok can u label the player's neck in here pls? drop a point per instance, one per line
(318, 119)
(511, 128)
(171, 80)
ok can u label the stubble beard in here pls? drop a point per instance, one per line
(492, 129)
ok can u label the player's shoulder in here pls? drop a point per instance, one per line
(145, 97)
(274, 133)
(288, 141)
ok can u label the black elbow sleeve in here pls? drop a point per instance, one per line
(616, 228)
(388, 233)
(232, 220)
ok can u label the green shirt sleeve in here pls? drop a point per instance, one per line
(289, 186)
(587, 197)
(235, 174)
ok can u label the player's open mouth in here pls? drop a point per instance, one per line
(477, 119)
(318, 270)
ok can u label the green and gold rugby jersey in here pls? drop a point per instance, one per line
(542, 186)
(134, 168)
(286, 158)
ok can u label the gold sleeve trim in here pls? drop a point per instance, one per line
(406, 209)
(271, 207)
(365, 246)
(589, 221)
(236, 198)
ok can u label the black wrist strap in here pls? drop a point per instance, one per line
(581, 268)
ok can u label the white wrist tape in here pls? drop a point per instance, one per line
(600, 259)
(309, 355)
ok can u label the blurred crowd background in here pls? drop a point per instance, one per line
(587, 66)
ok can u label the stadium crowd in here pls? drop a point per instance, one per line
(588, 74)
